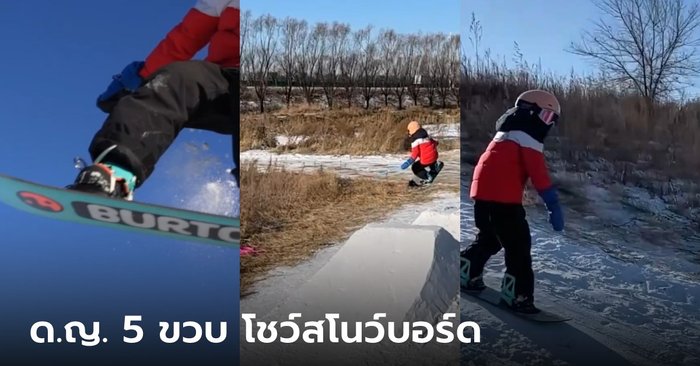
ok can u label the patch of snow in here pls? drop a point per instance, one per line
(443, 130)
(283, 140)
(633, 301)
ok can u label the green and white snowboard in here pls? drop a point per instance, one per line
(69, 205)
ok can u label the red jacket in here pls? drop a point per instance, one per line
(423, 147)
(213, 22)
(504, 168)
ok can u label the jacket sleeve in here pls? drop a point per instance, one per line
(536, 168)
(188, 37)
(225, 44)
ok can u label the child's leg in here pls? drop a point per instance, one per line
(435, 169)
(419, 170)
(222, 115)
(514, 234)
(486, 243)
(144, 124)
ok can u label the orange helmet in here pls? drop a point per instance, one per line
(413, 126)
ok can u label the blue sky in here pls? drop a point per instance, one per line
(403, 16)
(543, 29)
(57, 56)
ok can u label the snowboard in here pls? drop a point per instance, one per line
(493, 297)
(414, 184)
(87, 208)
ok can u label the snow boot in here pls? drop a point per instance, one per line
(525, 305)
(107, 180)
(520, 303)
(466, 283)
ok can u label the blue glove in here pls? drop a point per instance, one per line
(407, 163)
(556, 218)
(124, 83)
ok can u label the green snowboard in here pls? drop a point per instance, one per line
(64, 204)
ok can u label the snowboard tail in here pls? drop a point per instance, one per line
(86, 208)
(493, 297)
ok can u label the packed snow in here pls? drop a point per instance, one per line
(633, 296)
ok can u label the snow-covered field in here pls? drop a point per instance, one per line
(633, 294)
(283, 283)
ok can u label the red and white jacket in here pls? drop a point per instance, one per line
(213, 22)
(423, 147)
(504, 168)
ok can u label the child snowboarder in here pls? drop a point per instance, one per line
(424, 154)
(151, 101)
(514, 155)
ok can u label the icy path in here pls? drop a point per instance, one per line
(632, 301)
(373, 166)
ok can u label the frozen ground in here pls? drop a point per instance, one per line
(630, 282)
(372, 166)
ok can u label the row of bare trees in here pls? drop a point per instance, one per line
(331, 57)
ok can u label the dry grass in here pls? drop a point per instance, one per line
(340, 131)
(613, 133)
(596, 120)
(287, 216)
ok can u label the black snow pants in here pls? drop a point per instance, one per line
(504, 226)
(419, 169)
(185, 94)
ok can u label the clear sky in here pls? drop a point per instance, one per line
(408, 16)
(543, 29)
(57, 56)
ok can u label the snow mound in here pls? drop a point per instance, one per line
(408, 272)
(448, 221)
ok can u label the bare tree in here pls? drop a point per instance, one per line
(337, 37)
(445, 75)
(368, 64)
(308, 60)
(349, 66)
(246, 49)
(388, 52)
(648, 44)
(405, 65)
(264, 33)
(454, 61)
(292, 31)
(417, 69)
(433, 65)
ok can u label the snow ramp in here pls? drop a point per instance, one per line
(408, 272)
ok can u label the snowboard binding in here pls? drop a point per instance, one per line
(104, 179)
(466, 283)
(519, 303)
